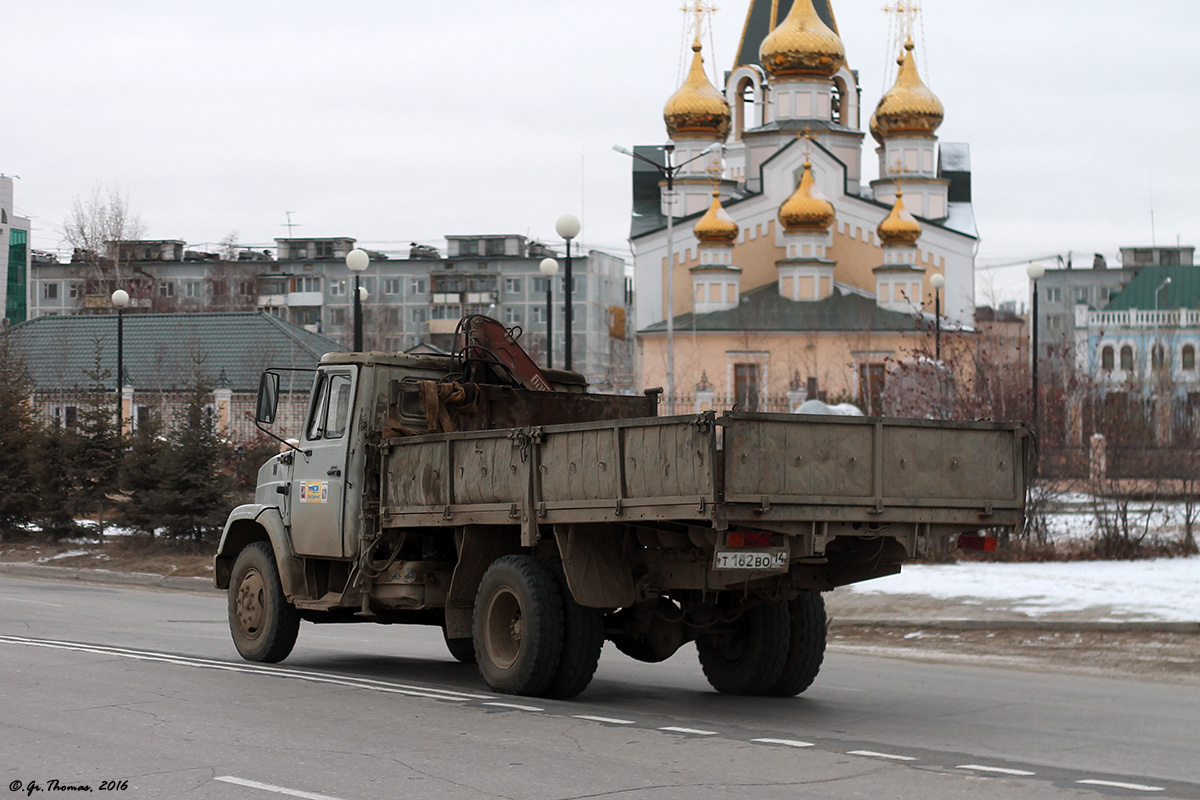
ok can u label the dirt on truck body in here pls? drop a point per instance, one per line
(532, 525)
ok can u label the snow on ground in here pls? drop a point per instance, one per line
(1161, 589)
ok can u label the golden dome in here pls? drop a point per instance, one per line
(908, 107)
(806, 209)
(716, 227)
(802, 45)
(697, 110)
(900, 227)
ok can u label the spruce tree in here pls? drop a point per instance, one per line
(195, 488)
(141, 476)
(18, 433)
(94, 466)
(57, 498)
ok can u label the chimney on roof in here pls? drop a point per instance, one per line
(1098, 262)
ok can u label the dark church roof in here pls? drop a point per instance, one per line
(763, 309)
(163, 351)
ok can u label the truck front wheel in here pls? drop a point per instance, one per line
(518, 626)
(263, 623)
(748, 657)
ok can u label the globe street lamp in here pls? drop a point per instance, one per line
(549, 268)
(357, 261)
(120, 299)
(937, 282)
(668, 171)
(567, 227)
(1035, 271)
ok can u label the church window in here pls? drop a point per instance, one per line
(1188, 358)
(1127, 358)
(871, 378)
(1158, 357)
(746, 386)
(1107, 358)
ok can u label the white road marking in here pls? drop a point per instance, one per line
(689, 730)
(1137, 787)
(873, 754)
(997, 770)
(605, 719)
(33, 602)
(516, 706)
(267, 787)
(787, 742)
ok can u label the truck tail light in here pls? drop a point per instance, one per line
(969, 541)
(748, 539)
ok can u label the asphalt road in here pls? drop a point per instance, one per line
(143, 689)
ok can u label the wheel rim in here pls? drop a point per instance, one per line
(251, 603)
(505, 628)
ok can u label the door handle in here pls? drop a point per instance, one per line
(334, 471)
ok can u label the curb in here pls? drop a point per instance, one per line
(106, 576)
(205, 585)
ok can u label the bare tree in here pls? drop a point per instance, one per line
(98, 229)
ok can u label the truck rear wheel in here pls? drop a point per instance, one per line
(518, 626)
(263, 623)
(806, 644)
(749, 658)
(583, 639)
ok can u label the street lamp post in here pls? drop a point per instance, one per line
(1166, 282)
(668, 171)
(549, 268)
(567, 227)
(937, 282)
(357, 261)
(1035, 272)
(120, 299)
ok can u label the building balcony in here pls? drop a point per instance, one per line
(1142, 319)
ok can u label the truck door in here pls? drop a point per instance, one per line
(318, 481)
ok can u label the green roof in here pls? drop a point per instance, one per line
(162, 351)
(1182, 292)
(764, 309)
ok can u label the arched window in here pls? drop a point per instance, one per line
(1127, 358)
(1106, 359)
(1158, 357)
(1188, 358)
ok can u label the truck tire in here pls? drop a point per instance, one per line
(806, 644)
(263, 623)
(518, 626)
(583, 639)
(750, 659)
(463, 649)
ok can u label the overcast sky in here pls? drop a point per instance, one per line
(407, 120)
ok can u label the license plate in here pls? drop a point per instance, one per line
(751, 559)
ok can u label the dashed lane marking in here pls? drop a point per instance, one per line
(269, 787)
(997, 770)
(32, 602)
(784, 742)
(517, 706)
(873, 754)
(693, 731)
(609, 720)
(1135, 787)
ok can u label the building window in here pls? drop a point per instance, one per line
(468, 247)
(512, 316)
(512, 285)
(539, 315)
(392, 286)
(1053, 294)
(74, 290)
(50, 291)
(1107, 359)
(166, 289)
(1127, 358)
(324, 249)
(1081, 294)
(746, 382)
(306, 283)
(1158, 358)
(273, 287)
(245, 288)
(1188, 358)
(1054, 323)
(871, 378)
(420, 315)
(337, 288)
(191, 289)
(417, 286)
(337, 316)
(495, 247)
(539, 285)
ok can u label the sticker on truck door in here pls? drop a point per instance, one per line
(314, 491)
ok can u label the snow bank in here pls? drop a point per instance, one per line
(1160, 589)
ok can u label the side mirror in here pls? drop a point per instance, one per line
(268, 398)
